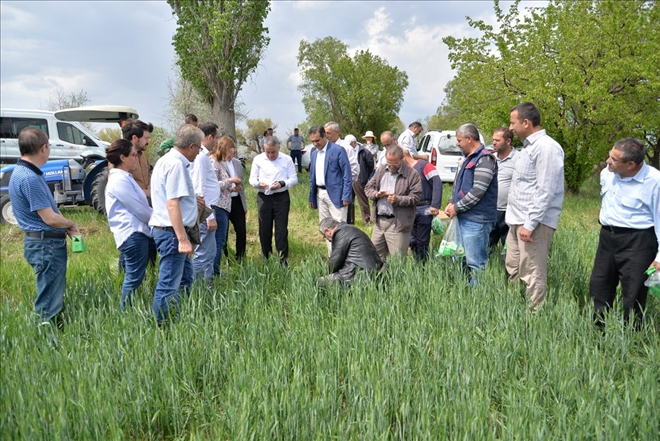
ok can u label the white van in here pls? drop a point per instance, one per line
(68, 138)
(444, 153)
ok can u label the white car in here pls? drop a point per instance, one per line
(307, 156)
(444, 153)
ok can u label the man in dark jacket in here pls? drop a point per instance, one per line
(366, 163)
(352, 250)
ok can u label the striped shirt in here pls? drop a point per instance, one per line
(483, 175)
(537, 187)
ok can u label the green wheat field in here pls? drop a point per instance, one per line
(267, 355)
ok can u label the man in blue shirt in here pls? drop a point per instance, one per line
(630, 219)
(45, 228)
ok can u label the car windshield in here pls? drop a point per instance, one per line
(447, 145)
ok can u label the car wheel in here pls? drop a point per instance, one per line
(6, 211)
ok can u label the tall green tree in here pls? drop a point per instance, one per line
(219, 44)
(360, 93)
(590, 66)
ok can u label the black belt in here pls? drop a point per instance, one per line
(387, 216)
(215, 207)
(620, 230)
(424, 202)
(322, 187)
(165, 228)
(45, 235)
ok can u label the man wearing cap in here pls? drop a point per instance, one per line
(295, 144)
(45, 228)
(407, 140)
(366, 162)
(427, 207)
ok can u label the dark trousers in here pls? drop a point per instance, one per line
(274, 209)
(499, 231)
(237, 219)
(350, 213)
(622, 257)
(296, 157)
(363, 201)
(420, 236)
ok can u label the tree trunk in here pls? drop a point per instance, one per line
(224, 116)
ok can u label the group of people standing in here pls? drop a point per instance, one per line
(183, 207)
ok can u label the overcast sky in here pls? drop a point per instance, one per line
(121, 52)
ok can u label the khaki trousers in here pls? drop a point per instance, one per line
(327, 209)
(387, 241)
(528, 261)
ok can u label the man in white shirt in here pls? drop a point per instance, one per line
(206, 185)
(535, 202)
(175, 209)
(407, 140)
(505, 154)
(273, 174)
(629, 241)
(332, 133)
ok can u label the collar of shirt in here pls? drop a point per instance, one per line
(639, 176)
(511, 154)
(531, 139)
(180, 157)
(30, 165)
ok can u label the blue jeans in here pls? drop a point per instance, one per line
(475, 241)
(135, 250)
(48, 259)
(296, 155)
(175, 271)
(205, 253)
(222, 216)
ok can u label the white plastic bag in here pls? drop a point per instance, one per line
(452, 243)
(653, 282)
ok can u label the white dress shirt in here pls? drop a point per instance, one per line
(171, 180)
(267, 171)
(407, 140)
(127, 206)
(537, 187)
(204, 180)
(319, 166)
(632, 202)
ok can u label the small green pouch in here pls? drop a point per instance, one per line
(77, 244)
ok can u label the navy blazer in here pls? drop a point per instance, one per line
(338, 178)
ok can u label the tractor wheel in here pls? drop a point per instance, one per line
(6, 212)
(98, 191)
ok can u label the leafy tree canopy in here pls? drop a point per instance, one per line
(219, 44)
(360, 93)
(590, 66)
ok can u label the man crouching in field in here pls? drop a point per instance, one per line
(352, 251)
(45, 228)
